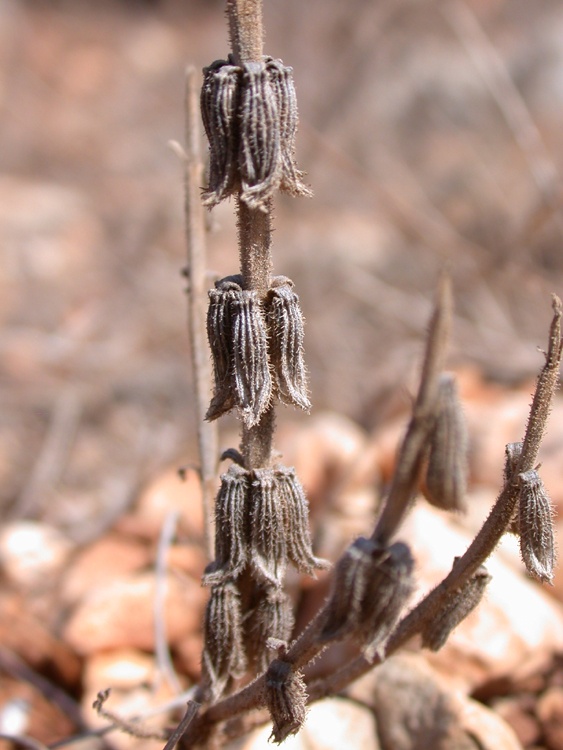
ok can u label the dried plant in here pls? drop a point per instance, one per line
(255, 331)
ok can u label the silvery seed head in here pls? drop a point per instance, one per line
(535, 520)
(285, 321)
(237, 336)
(446, 476)
(219, 109)
(459, 605)
(231, 527)
(286, 699)
(223, 653)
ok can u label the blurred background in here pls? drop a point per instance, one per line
(430, 133)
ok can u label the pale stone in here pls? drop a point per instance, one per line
(32, 553)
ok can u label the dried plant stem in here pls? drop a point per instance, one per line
(197, 301)
(245, 28)
(409, 460)
(490, 533)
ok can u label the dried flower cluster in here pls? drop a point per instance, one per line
(250, 117)
(257, 348)
(255, 332)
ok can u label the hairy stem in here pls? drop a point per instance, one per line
(409, 460)
(245, 29)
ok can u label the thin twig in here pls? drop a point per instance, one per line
(410, 457)
(178, 733)
(163, 658)
(196, 273)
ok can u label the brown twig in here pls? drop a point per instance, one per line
(196, 273)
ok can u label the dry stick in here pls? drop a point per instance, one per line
(182, 727)
(197, 300)
(499, 82)
(491, 532)
(409, 460)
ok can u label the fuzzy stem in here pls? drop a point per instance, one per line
(409, 460)
(245, 29)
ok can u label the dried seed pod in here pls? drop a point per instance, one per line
(251, 370)
(349, 585)
(286, 328)
(446, 475)
(537, 543)
(286, 699)
(231, 527)
(223, 652)
(237, 336)
(268, 538)
(296, 521)
(281, 81)
(459, 605)
(259, 149)
(512, 453)
(371, 587)
(271, 618)
(219, 109)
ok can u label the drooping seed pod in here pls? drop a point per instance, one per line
(281, 81)
(259, 149)
(285, 321)
(251, 370)
(231, 527)
(286, 699)
(535, 519)
(220, 337)
(219, 109)
(237, 336)
(446, 475)
(296, 521)
(268, 538)
(512, 453)
(460, 604)
(371, 586)
(223, 652)
(271, 618)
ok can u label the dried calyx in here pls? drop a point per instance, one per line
(257, 348)
(446, 473)
(250, 118)
(371, 586)
(286, 699)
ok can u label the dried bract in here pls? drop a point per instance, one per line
(231, 522)
(219, 110)
(280, 525)
(458, 606)
(281, 81)
(296, 521)
(238, 339)
(259, 155)
(250, 118)
(446, 476)
(535, 518)
(272, 617)
(371, 586)
(286, 699)
(223, 653)
(285, 321)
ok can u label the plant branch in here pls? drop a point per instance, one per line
(245, 29)
(197, 299)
